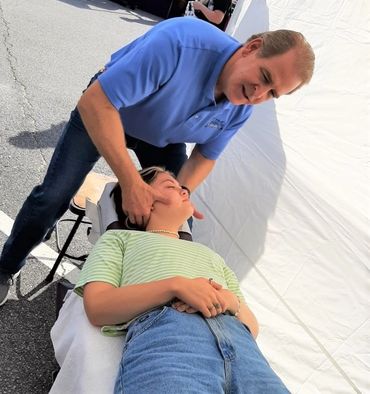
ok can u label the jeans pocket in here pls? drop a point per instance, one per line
(143, 322)
(247, 328)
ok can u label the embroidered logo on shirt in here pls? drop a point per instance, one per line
(216, 124)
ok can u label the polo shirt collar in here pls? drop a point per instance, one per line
(225, 56)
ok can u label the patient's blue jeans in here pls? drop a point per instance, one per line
(73, 158)
(171, 352)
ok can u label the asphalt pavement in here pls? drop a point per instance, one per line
(48, 52)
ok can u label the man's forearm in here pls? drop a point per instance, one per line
(195, 170)
(103, 124)
(215, 16)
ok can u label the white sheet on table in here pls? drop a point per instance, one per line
(88, 360)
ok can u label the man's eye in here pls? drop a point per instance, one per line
(265, 79)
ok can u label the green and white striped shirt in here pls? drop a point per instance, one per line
(123, 258)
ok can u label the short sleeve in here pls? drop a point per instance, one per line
(221, 5)
(140, 70)
(213, 148)
(232, 282)
(105, 262)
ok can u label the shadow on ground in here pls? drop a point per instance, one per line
(93, 4)
(130, 7)
(35, 140)
(137, 18)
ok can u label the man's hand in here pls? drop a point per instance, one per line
(138, 200)
(193, 173)
(198, 215)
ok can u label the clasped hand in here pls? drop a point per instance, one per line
(204, 296)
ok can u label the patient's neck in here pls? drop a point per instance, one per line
(164, 227)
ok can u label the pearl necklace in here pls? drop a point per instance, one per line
(164, 232)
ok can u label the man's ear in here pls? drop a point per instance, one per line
(252, 46)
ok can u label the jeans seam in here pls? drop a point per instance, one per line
(227, 364)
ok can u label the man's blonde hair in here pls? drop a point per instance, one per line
(279, 42)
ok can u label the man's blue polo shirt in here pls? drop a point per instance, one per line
(163, 86)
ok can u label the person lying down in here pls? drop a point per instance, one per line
(189, 329)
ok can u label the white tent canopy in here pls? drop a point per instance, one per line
(288, 203)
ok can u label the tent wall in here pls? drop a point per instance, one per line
(287, 205)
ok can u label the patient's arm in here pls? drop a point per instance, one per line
(246, 316)
(106, 304)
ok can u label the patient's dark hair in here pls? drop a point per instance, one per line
(148, 175)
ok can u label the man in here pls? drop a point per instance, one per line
(183, 81)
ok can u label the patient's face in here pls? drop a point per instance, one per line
(179, 198)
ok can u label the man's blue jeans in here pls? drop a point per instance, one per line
(73, 158)
(167, 351)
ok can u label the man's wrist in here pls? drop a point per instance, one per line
(130, 179)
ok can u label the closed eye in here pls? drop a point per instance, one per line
(170, 184)
(174, 187)
(266, 79)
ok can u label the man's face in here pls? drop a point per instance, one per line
(249, 79)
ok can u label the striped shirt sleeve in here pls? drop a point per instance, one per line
(104, 263)
(232, 282)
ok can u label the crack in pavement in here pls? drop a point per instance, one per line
(26, 106)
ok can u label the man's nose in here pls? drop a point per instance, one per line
(260, 93)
